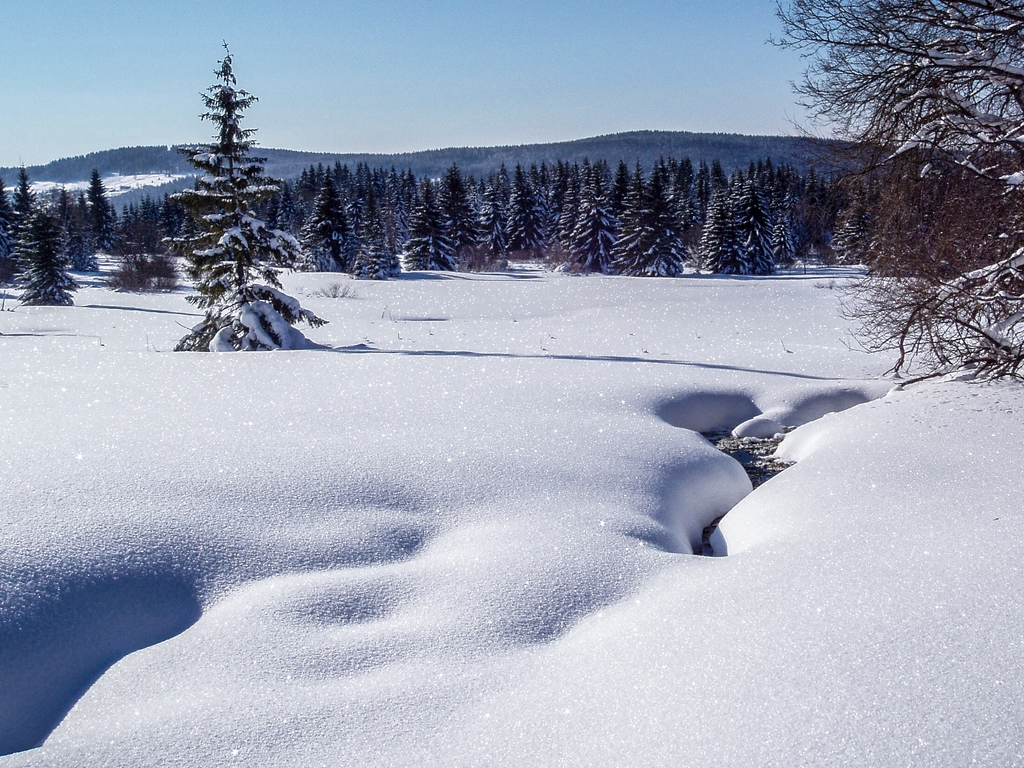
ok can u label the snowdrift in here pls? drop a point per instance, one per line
(461, 534)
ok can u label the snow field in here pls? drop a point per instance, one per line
(460, 536)
(115, 183)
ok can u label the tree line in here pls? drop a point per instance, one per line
(373, 223)
(579, 216)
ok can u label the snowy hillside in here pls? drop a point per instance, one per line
(115, 184)
(462, 534)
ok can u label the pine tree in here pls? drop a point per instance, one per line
(782, 240)
(102, 219)
(325, 231)
(596, 228)
(74, 217)
(457, 206)
(628, 252)
(23, 200)
(620, 189)
(718, 246)
(754, 230)
(231, 255)
(492, 223)
(429, 246)
(525, 216)
(702, 191)
(375, 260)
(853, 233)
(665, 253)
(44, 272)
(569, 210)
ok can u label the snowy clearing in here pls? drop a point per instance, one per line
(114, 183)
(462, 534)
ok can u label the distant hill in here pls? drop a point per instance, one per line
(646, 147)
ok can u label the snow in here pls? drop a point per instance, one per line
(460, 534)
(114, 183)
(760, 427)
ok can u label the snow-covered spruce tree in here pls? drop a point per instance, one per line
(77, 243)
(429, 246)
(850, 244)
(44, 270)
(325, 231)
(23, 200)
(718, 249)
(633, 224)
(375, 260)
(754, 230)
(492, 241)
(102, 219)
(569, 211)
(666, 253)
(783, 250)
(456, 203)
(596, 228)
(526, 225)
(619, 189)
(230, 257)
(649, 244)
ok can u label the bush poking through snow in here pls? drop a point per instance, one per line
(335, 291)
(144, 273)
(974, 322)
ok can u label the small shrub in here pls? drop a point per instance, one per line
(145, 273)
(478, 259)
(335, 291)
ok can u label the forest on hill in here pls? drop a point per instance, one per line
(645, 147)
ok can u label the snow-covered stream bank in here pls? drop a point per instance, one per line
(467, 542)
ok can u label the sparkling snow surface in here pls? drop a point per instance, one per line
(462, 535)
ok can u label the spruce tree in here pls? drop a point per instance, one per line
(374, 260)
(102, 219)
(718, 246)
(783, 250)
(594, 236)
(492, 223)
(230, 256)
(457, 206)
(852, 237)
(754, 230)
(702, 191)
(665, 253)
(325, 231)
(569, 211)
(620, 189)
(526, 214)
(429, 246)
(44, 271)
(23, 200)
(74, 216)
(628, 252)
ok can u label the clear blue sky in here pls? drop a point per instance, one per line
(387, 76)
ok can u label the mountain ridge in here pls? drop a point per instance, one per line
(646, 147)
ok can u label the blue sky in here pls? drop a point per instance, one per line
(388, 76)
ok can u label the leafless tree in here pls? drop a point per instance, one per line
(932, 93)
